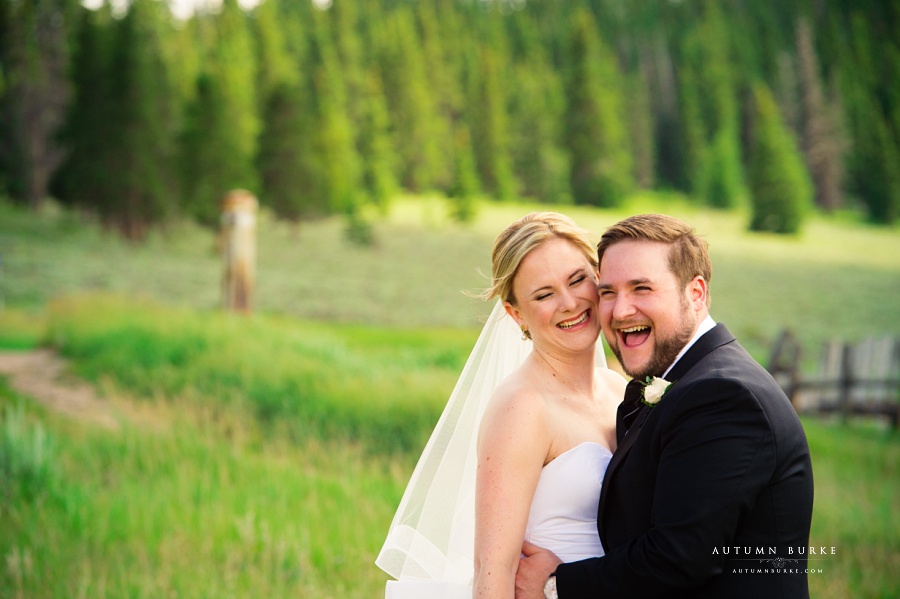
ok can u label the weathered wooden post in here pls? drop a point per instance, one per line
(238, 244)
(846, 381)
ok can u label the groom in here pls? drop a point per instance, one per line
(710, 491)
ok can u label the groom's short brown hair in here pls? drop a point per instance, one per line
(688, 255)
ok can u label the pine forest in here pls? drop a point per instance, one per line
(334, 107)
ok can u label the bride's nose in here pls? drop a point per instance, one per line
(568, 301)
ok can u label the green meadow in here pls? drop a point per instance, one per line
(263, 456)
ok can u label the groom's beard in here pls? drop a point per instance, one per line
(665, 349)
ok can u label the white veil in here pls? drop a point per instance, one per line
(432, 535)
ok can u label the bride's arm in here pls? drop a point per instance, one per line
(513, 444)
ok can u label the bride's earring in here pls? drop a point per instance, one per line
(526, 334)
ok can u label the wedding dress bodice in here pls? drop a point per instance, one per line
(563, 515)
(563, 518)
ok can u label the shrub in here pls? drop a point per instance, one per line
(26, 457)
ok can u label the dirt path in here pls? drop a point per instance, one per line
(42, 375)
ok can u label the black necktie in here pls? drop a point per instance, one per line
(629, 408)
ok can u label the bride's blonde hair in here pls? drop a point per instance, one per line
(522, 237)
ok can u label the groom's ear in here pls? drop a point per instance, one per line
(698, 292)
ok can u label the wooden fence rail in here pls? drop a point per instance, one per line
(850, 378)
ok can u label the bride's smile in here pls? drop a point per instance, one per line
(574, 322)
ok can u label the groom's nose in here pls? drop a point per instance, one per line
(622, 307)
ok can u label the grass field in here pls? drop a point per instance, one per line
(264, 456)
(204, 490)
(838, 279)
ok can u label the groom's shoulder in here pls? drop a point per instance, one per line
(732, 363)
(730, 370)
(724, 347)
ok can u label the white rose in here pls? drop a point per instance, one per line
(654, 390)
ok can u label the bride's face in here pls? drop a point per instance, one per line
(556, 296)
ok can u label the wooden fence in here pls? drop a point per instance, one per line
(849, 378)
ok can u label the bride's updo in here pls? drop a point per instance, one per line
(523, 236)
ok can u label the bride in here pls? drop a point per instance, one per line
(521, 448)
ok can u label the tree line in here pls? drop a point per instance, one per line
(333, 107)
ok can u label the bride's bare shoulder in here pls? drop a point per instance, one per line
(613, 377)
(613, 380)
(516, 402)
(518, 390)
(517, 410)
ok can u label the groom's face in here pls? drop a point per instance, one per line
(647, 316)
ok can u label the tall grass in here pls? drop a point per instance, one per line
(370, 385)
(200, 493)
(198, 503)
(857, 497)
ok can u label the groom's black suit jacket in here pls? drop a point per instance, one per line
(719, 467)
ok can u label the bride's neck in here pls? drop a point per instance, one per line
(574, 370)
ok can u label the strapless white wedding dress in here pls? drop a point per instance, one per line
(563, 515)
(563, 518)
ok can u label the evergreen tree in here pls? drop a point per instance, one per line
(276, 66)
(34, 92)
(291, 167)
(335, 141)
(365, 103)
(876, 161)
(710, 112)
(411, 104)
(379, 155)
(873, 167)
(289, 170)
(821, 144)
(537, 106)
(601, 163)
(692, 130)
(780, 188)
(640, 117)
(537, 115)
(220, 139)
(490, 130)
(140, 170)
(88, 133)
(438, 37)
(463, 194)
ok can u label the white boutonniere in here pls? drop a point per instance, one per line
(654, 389)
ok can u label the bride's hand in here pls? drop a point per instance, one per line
(535, 566)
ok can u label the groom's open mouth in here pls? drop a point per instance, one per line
(634, 336)
(574, 322)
